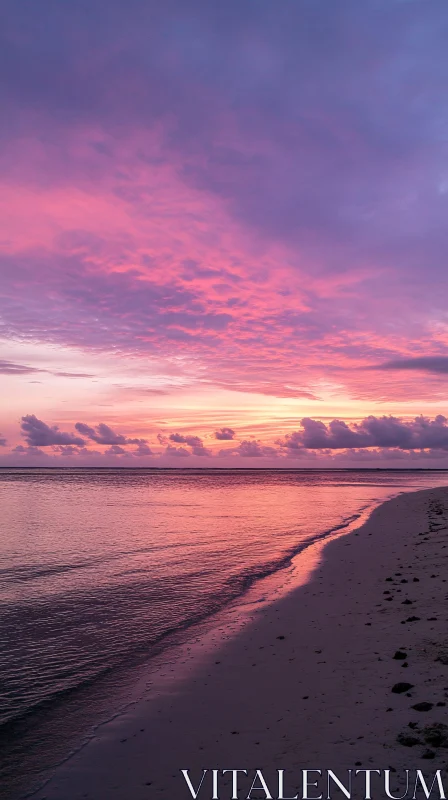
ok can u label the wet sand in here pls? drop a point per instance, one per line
(330, 677)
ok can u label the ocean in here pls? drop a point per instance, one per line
(100, 569)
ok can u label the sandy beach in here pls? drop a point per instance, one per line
(348, 671)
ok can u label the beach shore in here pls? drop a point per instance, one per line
(332, 676)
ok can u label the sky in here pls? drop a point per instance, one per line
(223, 234)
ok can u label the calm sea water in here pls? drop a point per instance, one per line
(98, 568)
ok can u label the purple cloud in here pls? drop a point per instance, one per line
(181, 452)
(71, 374)
(69, 450)
(192, 441)
(201, 451)
(249, 448)
(143, 449)
(115, 450)
(103, 434)
(321, 152)
(28, 451)
(300, 212)
(378, 432)
(195, 442)
(39, 434)
(225, 434)
(2, 441)
(436, 364)
(9, 368)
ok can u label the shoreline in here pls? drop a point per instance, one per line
(176, 657)
(269, 696)
(182, 652)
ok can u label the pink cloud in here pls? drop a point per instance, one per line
(216, 210)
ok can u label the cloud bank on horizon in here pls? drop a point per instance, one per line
(207, 206)
(379, 438)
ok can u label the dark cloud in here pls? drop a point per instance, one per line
(436, 364)
(39, 434)
(378, 432)
(103, 434)
(225, 434)
(2, 441)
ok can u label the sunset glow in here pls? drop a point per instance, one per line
(218, 234)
